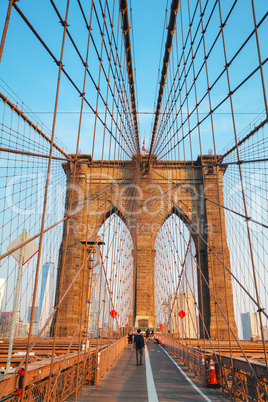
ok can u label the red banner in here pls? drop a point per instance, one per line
(113, 313)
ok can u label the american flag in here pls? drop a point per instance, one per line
(143, 147)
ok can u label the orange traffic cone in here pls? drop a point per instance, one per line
(212, 382)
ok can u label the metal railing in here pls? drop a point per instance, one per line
(91, 367)
(66, 382)
(190, 357)
(107, 357)
(238, 382)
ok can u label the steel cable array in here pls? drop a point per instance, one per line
(210, 117)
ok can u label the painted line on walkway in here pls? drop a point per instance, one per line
(152, 394)
(187, 378)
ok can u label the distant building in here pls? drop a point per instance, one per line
(94, 304)
(2, 291)
(250, 325)
(93, 324)
(46, 296)
(30, 312)
(24, 328)
(265, 330)
(105, 329)
(186, 327)
(5, 324)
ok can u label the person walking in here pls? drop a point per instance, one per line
(139, 343)
(130, 339)
(134, 336)
(147, 334)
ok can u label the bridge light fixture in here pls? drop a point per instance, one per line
(93, 247)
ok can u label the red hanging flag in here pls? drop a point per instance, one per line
(126, 326)
(161, 327)
(113, 313)
(181, 314)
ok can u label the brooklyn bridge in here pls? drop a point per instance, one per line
(133, 200)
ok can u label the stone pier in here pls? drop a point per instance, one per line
(144, 198)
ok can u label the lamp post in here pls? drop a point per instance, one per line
(92, 246)
(165, 309)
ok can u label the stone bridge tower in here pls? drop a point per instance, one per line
(144, 198)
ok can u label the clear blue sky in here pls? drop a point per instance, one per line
(27, 69)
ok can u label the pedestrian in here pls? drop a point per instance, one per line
(130, 339)
(139, 343)
(147, 334)
(135, 333)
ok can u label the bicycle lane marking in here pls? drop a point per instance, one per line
(187, 378)
(151, 390)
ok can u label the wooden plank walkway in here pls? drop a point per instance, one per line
(127, 382)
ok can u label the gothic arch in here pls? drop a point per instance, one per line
(184, 217)
(114, 210)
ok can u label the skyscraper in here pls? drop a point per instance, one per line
(250, 325)
(265, 330)
(6, 322)
(2, 291)
(35, 325)
(186, 326)
(47, 294)
(30, 313)
(94, 305)
(97, 292)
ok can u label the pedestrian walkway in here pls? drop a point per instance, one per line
(158, 379)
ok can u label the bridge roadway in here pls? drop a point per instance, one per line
(160, 378)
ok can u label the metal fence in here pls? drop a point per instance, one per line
(91, 367)
(190, 357)
(234, 375)
(107, 357)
